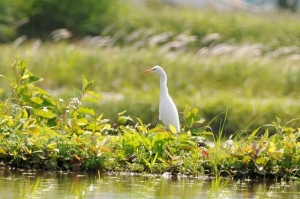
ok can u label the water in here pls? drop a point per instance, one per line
(24, 184)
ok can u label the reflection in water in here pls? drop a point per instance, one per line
(35, 184)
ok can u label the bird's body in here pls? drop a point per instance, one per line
(168, 113)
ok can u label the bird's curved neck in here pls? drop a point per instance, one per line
(163, 86)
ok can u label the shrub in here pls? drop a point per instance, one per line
(81, 17)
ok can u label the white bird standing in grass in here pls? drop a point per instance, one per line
(168, 113)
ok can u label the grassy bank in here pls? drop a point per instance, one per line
(251, 88)
(40, 132)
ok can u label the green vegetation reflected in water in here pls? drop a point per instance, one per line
(25, 184)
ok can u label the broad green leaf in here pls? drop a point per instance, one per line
(272, 147)
(90, 99)
(266, 135)
(84, 83)
(34, 131)
(253, 134)
(46, 114)
(30, 122)
(246, 159)
(106, 127)
(91, 126)
(89, 85)
(22, 90)
(198, 119)
(2, 151)
(42, 91)
(272, 138)
(92, 93)
(172, 129)
(94, 127)
(189, 121)
(86, 110)
(23, 68)
(48, 100)
(36, 100)
(194, 110)
(25, 113)
(261, 161)
(124, 119)
(19, 115)
(98, 119)
(89, 133)
(34, 142)
(82, 121)
(187, 111)
(33, 78)
(25, 76)
(155, 129)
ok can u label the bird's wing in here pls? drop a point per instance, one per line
(168, 113)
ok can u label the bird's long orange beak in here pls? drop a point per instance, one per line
(148, 71)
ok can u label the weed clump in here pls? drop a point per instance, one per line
(39, 132)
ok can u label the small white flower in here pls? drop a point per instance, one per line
(45, 109)
(74, 103)
(61, 100)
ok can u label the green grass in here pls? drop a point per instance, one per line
(38, 131)
(272, 29)
(251, 88)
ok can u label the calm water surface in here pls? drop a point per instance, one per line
(33, 184)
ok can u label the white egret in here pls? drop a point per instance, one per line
(168, 113)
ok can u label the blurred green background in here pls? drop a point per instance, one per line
(240, 64)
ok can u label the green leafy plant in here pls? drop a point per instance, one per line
(36, 125)
(38, 131)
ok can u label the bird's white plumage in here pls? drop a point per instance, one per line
(168, 113)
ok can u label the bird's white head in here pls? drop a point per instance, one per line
(155, 69)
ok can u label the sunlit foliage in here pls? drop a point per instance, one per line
(38, 131)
